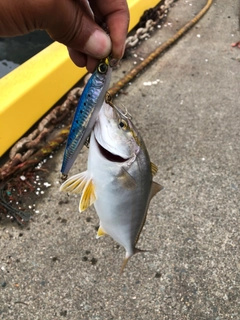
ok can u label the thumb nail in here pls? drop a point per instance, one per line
(98, 45)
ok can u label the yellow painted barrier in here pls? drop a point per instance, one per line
(30, 90)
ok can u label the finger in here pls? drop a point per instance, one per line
(116, 15)
(91, 64)
(77, 30)
(77, 57)
(82, 60)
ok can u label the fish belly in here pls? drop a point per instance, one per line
(121, 211)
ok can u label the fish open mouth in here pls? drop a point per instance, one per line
(108, 155)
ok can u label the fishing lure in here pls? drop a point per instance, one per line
(86, 113)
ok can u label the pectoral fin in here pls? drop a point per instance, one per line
(126, 180)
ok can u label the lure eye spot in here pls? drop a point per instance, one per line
(102, 68)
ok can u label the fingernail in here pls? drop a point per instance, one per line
(98, 45)
(113, 62)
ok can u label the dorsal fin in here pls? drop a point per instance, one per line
(154, 168)
(155, 188)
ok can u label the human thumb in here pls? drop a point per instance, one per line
(98, 45)
(74, 26)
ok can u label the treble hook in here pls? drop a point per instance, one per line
(108, 100)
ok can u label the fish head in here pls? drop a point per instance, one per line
(115, 132)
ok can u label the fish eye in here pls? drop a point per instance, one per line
(102, 67)
(123, 124)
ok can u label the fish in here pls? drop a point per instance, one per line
(118, 180)
(86, 113)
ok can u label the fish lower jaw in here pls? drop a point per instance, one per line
(109, 155)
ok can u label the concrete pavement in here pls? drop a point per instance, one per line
(186, 106)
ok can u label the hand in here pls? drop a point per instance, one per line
(73, 23)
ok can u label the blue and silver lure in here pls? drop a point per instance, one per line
(86, 113)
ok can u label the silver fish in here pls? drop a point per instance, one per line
(118, 180)
(86, 113)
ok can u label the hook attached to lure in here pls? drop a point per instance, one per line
(109, 100)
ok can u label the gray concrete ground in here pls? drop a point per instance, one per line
(189, 117)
